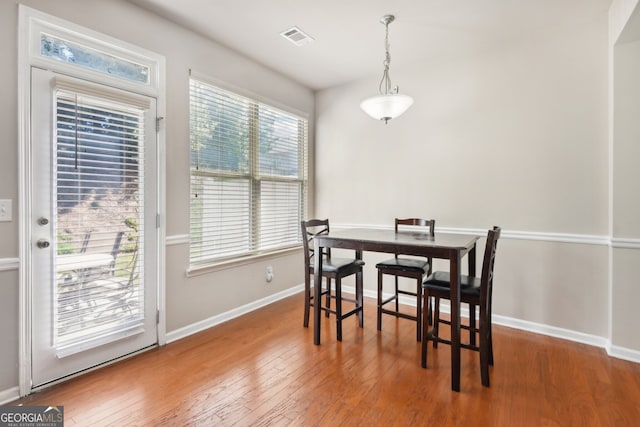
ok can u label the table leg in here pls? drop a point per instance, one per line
(359, 293)
(317, 291)
(472, 261)
(455, 278)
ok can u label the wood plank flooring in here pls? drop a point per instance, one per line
(262, 369)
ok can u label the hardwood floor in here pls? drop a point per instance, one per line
(263, 369)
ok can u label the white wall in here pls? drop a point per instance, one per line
(9, 190)
(625, 148)
(626, 203)
(514, 136)
(189, 300)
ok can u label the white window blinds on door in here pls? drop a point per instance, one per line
(248, 175)
(99, 197)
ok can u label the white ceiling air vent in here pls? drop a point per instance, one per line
(296, 36)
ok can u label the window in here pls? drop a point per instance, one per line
(248, 175)
(93, 59)
(75, 51)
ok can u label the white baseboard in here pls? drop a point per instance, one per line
(537, 328)
(623, 353)
(552, 331)
(9, 395)
(231, 314)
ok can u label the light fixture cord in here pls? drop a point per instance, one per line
(385, 84)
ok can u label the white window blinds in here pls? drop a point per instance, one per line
(99, 291)
(248, 175)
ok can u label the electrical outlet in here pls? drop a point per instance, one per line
(269, 273)
(5, 210)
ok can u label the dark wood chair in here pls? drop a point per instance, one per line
(474, 292)
(332, 269)
(412, 268)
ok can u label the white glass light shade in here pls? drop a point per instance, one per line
(386, 107)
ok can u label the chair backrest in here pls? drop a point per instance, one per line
(133, 272)
(418, 222)
(115, 250)
(116, 244)
(404, 223)
(310, 229)
(85, 242)
(487, 267)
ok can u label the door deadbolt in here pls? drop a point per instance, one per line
(43, 221)
(42, 244)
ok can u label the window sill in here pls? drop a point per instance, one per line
(198, 270)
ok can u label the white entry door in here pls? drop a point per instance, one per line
(93, 226)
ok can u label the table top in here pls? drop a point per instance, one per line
(72, 262)
(381, 238)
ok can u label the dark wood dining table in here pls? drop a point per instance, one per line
(451, 246)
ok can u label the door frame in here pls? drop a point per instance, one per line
(31, 22)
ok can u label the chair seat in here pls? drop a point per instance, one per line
(335, 265)
(440, 281)
(405, 264)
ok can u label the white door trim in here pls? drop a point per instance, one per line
(27, 20)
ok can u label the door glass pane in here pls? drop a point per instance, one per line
(84, 56)
(99, 211)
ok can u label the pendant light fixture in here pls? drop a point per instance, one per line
(389, 104)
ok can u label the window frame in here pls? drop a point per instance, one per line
(205, 265)
(39, 24)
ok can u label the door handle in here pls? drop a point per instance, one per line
(42, 244)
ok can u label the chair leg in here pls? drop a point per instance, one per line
(425, 330)
(490, 323)
(472, 324)
(328, 300)
(338, 309)
(379, 299)
(484, 350)
(490, 340)
(360, 298)
(419, 313)
(397, 296)
(307, 299)
(436, 321)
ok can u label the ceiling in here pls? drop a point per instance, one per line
(349, 39)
